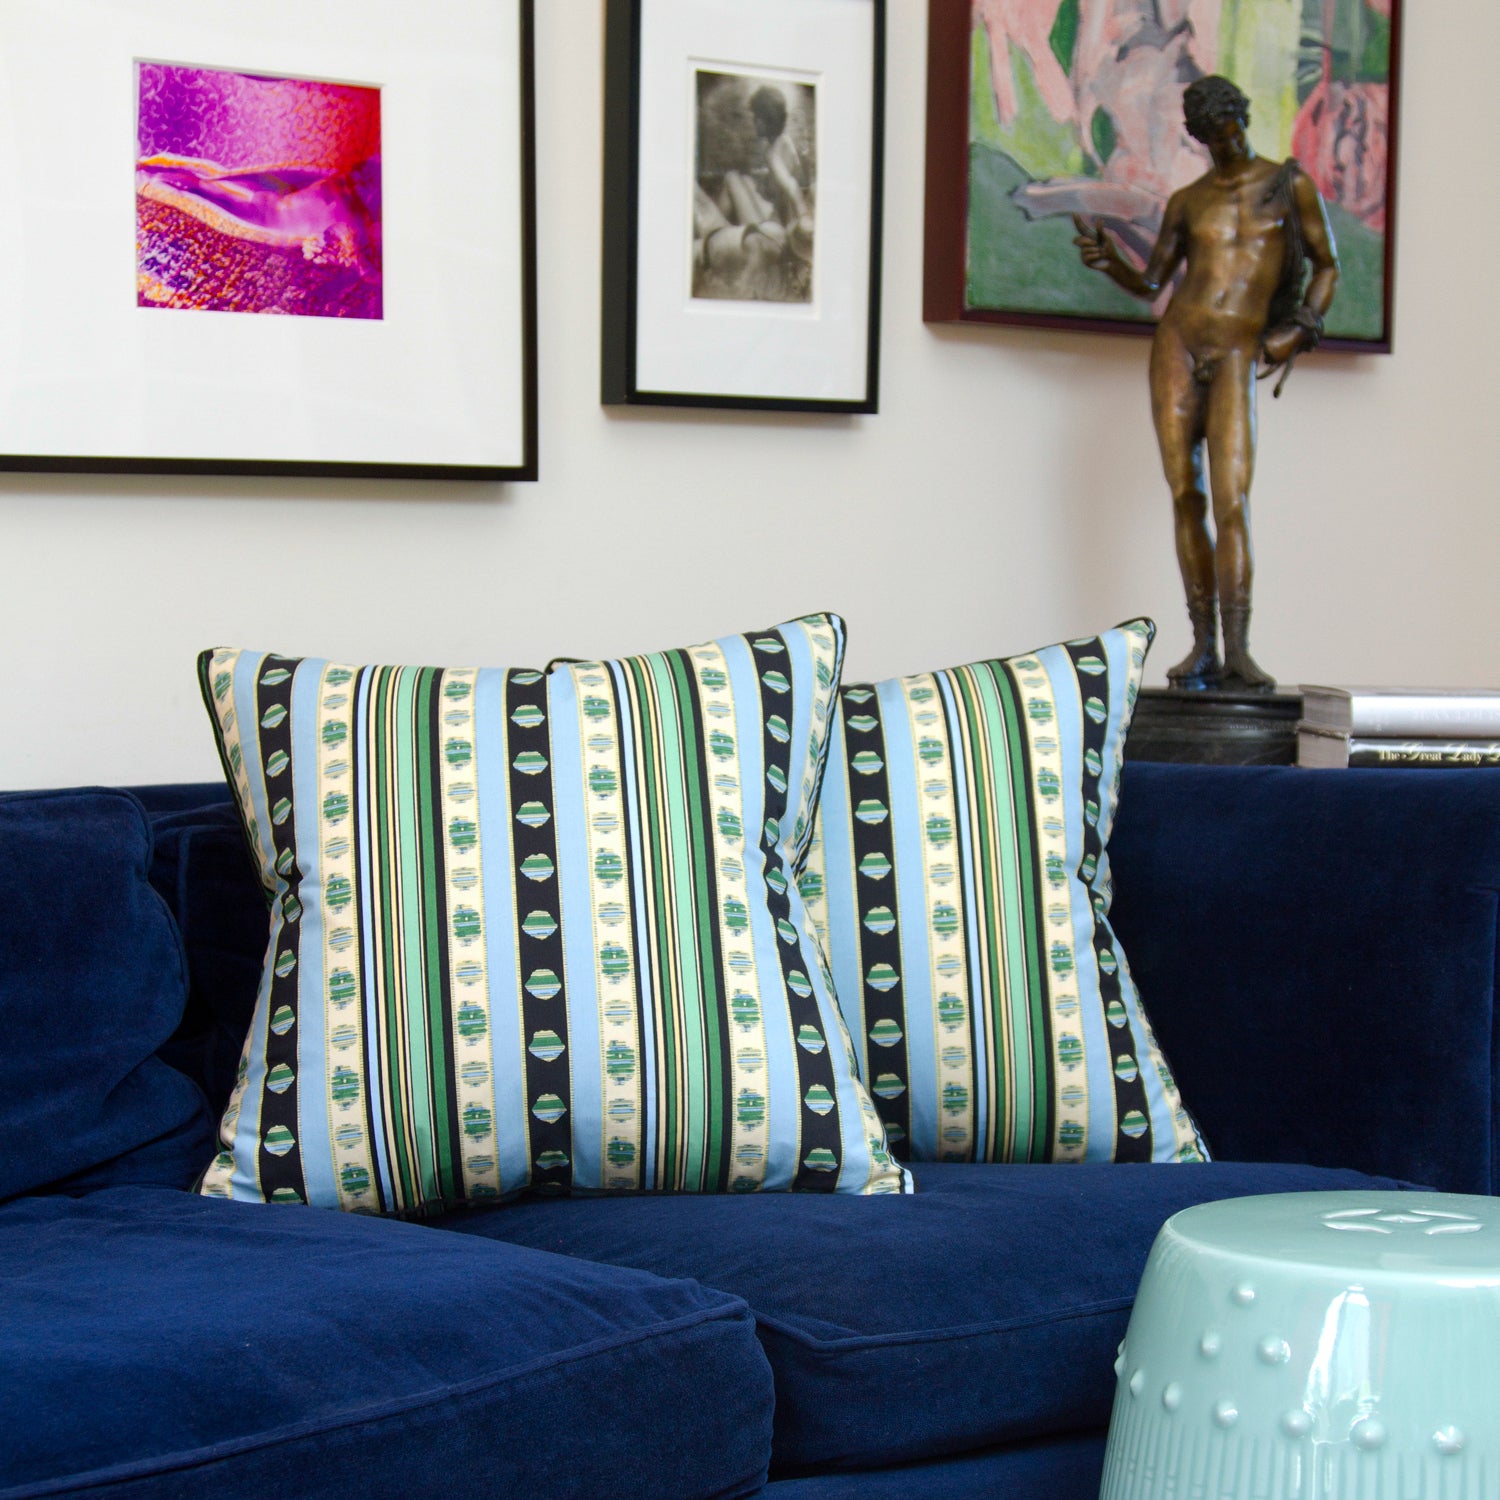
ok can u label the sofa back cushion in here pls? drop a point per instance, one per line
(92, 982)
(538, 929)
(962, 883)
(201, 867)
(1321, 950)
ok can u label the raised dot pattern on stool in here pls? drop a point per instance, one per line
(1448, 1440)
(1285, 1364)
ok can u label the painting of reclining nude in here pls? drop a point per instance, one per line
(1075, 108)
(257, 194)
(754, 188)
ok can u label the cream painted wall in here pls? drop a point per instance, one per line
(1006, 495)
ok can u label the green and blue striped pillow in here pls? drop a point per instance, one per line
(539, 929)
(960, 883)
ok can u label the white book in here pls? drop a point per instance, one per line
(1461, 713)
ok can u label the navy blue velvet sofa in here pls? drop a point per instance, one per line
(1317, 950)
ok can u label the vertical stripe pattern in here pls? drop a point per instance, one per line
(970, 810)
(639, 1003)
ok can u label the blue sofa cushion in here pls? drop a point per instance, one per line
(203, 871)
(1053, 1468)
(92, 982)
(985, 1308)
(155, 1343)
(1317, 915)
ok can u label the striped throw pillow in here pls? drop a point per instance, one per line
(960, 883)
(538, 929)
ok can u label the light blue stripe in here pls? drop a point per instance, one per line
(498, 873)
(243, 1182)
(905, 772)
(574, 860)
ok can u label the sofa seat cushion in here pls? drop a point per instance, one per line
(1053, 1468)
(985, 1308)
(154, 1343)
(92, 982)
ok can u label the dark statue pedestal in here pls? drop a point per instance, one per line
(1215, 728)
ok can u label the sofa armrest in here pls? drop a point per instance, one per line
(1317, 952)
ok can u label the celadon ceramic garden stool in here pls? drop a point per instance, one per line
(1314, 1346)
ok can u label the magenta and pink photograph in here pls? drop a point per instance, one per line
(257, 194)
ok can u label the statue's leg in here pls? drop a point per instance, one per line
(1178, 408)
(1231, 460)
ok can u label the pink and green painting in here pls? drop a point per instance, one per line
(257, 194)
(1075, 108)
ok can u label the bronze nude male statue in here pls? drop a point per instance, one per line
(1241, 232)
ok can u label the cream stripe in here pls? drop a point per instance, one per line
(616, 979)
(1044, 741)
(733, 844)
(468, 979)
(952, 1045)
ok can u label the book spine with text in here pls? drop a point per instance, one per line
(1369, 751)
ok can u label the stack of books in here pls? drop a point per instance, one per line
(1376, 726)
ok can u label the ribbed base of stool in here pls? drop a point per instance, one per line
(1154, 1459)
(1314, 1346)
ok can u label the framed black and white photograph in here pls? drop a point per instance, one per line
(289, 239)
(742, 204)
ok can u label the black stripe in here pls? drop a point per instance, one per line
(877, 840)
(279, 1108)
(1130, 1094)
(550, 1139)
(820, 1132)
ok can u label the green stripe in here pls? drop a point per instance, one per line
(409, 873)
(702, 887)
(661, 955)
(441, 1078)
(382, 843)
(1022, 915)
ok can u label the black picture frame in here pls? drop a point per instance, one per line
(679, 330)
(439, 383)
